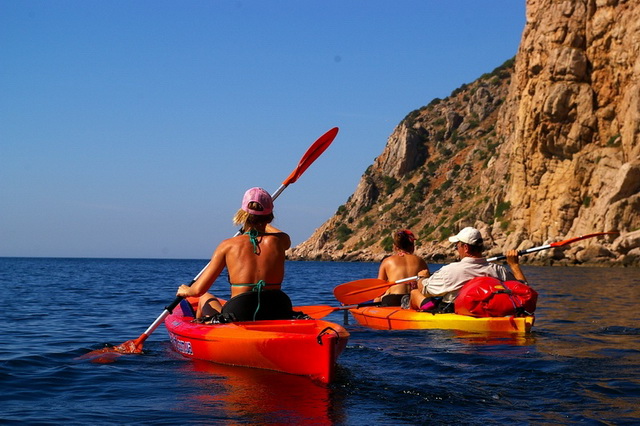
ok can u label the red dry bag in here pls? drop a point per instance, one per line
(490, 297)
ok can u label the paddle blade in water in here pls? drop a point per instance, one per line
(131, 346)
(111, 353)
(105, 355)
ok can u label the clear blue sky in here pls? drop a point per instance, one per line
(132, 128)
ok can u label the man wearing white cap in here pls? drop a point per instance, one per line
(448, 280)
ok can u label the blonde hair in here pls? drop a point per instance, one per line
(243, 218)
(240, 217)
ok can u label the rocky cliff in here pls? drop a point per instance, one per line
(545, 147)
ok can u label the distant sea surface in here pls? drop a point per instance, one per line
(581, 364)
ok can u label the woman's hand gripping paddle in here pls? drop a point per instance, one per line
(135, 346)
(359, 291)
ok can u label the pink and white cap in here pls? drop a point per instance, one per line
(259, 196)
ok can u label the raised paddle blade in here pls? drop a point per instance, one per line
(556, 244)
(311, 155)
(582, 237)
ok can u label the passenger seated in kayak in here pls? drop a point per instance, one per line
(403, 263)
(446, 282)
(254, 261)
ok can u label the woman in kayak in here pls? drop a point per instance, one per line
(254, 261)
(402, 264)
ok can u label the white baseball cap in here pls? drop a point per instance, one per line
(469, 236)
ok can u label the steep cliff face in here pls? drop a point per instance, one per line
(572, 126)
(545, 147)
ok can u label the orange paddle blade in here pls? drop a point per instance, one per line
(582, 237)
(316, 311)
(361, 290)
(556, 244)
(111, 353)
(101, 356)
(132, 346)
(311, 155)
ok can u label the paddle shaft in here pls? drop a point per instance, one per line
(167, 311)
(321, 311)
(521, 252)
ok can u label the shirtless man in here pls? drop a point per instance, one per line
(402, 264)
(253, 259)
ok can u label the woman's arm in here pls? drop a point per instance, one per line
(208, 276)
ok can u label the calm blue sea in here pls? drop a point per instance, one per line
(580, 366)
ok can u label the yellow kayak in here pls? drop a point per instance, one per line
(396, 318)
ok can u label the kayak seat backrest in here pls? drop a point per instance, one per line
(187, 309)
(270, 305)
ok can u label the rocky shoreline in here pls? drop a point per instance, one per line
(620, 251)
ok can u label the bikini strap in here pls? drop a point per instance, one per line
(253, 238)
(258, 287)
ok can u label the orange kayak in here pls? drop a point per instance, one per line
(396, 318)
(304, 347)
